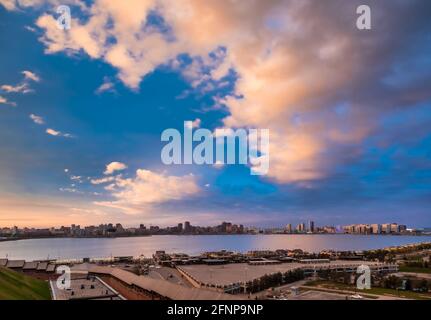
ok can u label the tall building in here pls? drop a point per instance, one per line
(288, 228)
(180, 227)
(376, 228)
(300, 227)
(310, 226)
(395, 228)
(187, 227)
(386, 228)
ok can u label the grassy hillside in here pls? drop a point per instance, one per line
(17, 286)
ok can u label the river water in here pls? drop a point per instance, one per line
(74, 248)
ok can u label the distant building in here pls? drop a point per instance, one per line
(395, 228)
(288, 228)
(386, 228)
(187, 227)
(376, 228)
(310, 226)
(300, 227)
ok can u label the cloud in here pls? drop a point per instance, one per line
(102, 180)
(76, 178)
(30, 76)
(56, 133)
(3, 100)
(107, 85)
(114, 166)
(9, 4)
(13, 5)
(290, 78)
(193, 124)
(149, 188)
(37, 119)
(21, 88)
(196, 123)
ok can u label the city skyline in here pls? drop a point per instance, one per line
(82, 112)
(225, 227)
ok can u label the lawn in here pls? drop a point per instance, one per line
(376, 290)
(17, 286)
(414, 270)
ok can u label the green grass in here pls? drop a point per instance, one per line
(17, 286)
(374, 290)
(414, 269)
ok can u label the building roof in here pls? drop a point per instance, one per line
(30, 266)
(3, 262)
(42, 266)
(15, 263)
(164, 288)
(50, 268)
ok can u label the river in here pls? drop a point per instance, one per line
(74, 248)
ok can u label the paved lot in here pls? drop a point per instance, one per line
(240, 272)
(85, 288)
(168, 274)
(317, 295)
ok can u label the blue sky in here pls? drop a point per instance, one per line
(349, 113)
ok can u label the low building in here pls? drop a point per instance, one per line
(3, 262)
(311, 261)
(30, 266)
(15, 264)
(263, 262)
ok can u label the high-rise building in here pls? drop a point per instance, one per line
(187, 227)
(386, 228)
(310, 226)
(288, 228)
(241, 228)
(376, 228)
(300, 227)
(395, 228)
(180, 227)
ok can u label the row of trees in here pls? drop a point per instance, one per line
(274, 280)
(393, 282)
(417, 264)
(389, 282)
(389, 254)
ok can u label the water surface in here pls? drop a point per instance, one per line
(73, 248)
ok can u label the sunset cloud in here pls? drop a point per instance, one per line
(3, 100)
(56, 133)
(114, 166)
(37, 119)
(23, 88)
(31, 76)
(107, 85)
(135, 195)
(284, 70)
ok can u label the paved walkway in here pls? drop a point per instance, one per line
(348, 292)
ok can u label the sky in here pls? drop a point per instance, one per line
(82, 111)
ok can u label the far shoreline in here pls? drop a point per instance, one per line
(223, 234)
